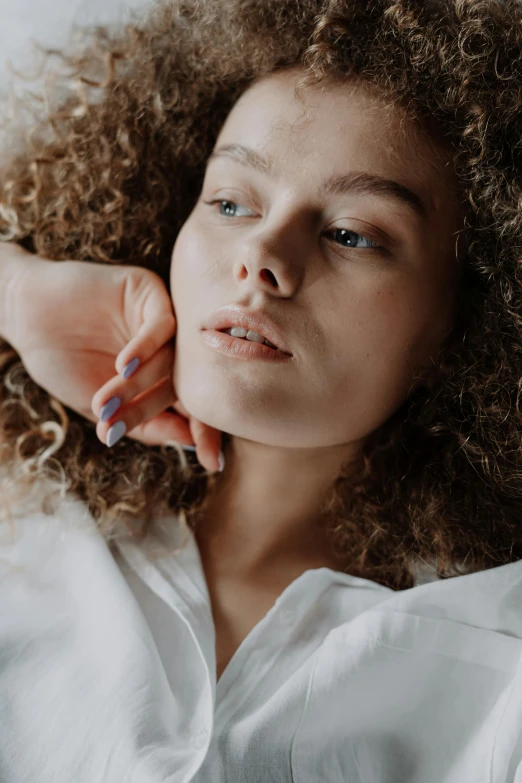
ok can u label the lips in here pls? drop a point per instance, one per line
(228, 331)
(232, 315)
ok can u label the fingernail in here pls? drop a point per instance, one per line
(131, 367)
(188, 448)
(110, 407)
(116, 432)
(221, 460)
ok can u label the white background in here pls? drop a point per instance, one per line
(48, 22)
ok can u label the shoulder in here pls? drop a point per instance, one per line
(40, 529)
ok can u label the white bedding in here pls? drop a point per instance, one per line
(49, 23)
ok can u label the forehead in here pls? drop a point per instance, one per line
(334, 126)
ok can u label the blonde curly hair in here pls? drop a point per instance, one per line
(111, 170)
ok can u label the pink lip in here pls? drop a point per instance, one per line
(233, 315)
(241, 349)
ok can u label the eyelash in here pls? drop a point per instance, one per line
(373, 246)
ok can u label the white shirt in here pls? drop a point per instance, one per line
(107, 671)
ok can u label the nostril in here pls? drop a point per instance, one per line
(266, 273)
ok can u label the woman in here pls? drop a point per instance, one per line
(340, 181)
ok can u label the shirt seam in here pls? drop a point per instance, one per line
(500, 721)
(303, 710)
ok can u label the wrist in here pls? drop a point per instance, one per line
(14, 264)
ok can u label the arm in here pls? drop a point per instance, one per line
(14, 263)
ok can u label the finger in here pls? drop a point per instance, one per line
(208, 443)
(143, 408)
(146, 376)
(208, 439)
(151, 336)
(178, 405)
(162, 428)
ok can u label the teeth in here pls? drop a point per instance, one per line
(237, 331)
(249, 334)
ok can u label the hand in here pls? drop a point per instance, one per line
(75, 324)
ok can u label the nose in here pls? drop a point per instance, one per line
(271, 260)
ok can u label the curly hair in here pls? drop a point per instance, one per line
(113, 168)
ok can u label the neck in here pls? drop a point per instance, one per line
(264, 512)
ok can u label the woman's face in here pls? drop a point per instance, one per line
(358, 275)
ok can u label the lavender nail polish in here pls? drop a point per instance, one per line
(116, 432)
(130, 368)
(110, 407)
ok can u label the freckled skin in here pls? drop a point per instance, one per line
(358, 322)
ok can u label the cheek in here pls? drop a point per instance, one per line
(381, 341)
(189, 257)
(393, 319)
(396, 325)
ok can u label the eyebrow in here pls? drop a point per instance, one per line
(353, 183)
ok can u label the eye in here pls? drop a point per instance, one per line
(342, 236)
(348, 238)
(230, 207)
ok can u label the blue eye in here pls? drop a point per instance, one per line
(230, 207)
(346, 238)
(349, 238)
